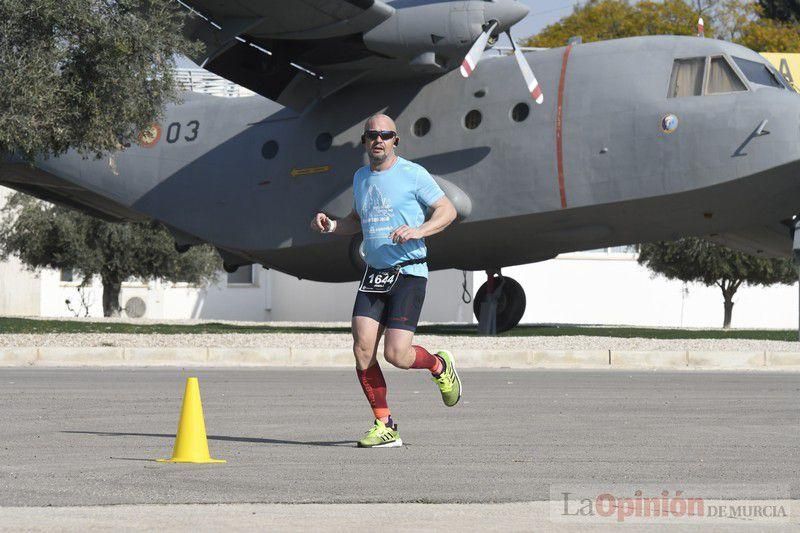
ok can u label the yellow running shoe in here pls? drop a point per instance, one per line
(381, 436)
(448, 381)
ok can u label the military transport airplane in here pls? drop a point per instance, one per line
(636, 140)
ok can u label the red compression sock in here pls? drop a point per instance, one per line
(424, 359)
(374, 387)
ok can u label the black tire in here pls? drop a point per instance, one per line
(510, 302)
(355, 255)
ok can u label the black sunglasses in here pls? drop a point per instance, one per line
(383, 134)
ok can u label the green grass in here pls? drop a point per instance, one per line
(24, 325)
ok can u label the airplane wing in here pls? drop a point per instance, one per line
(290, 51)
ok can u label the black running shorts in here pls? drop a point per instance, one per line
(398, 309)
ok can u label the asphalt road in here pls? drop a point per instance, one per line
(89, 436)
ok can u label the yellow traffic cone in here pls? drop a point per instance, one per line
(191, 445)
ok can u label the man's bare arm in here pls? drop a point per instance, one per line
(444, 213)
(349, 225)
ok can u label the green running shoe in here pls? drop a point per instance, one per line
(448, 381)
(381, 436)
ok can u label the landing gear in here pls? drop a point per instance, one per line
(499, 304)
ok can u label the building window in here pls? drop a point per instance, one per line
(473, 119)
(324, 141)
(520, 112)
(421, 127)
(67, 276)
(269, 150)
(242, 276)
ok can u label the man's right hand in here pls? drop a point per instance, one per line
(321, 223)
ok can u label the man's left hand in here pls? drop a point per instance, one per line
(404, 234)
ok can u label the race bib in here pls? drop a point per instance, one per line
(379, 281)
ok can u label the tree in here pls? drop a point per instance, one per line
(599, 20)
(84, 74)
(48, 236)
(739, 21)
(693, 259)
(782, 10)
(768, 35)
(744, 22)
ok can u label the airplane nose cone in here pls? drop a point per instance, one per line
(517, 12)
(506, 12)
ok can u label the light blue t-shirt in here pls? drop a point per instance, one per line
(385, 200)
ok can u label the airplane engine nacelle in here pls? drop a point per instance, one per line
(460, 200)
(429, 35)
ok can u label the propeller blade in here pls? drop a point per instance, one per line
(475, 53)
(530, 79)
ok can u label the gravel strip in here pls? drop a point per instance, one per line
(343, 340)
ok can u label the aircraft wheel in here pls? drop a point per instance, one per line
(510, 302)
(356, 257)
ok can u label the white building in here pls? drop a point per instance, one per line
(610, 287)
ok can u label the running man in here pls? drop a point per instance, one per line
(390, 198)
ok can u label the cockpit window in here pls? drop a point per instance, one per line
(687, 77)
(722, 78)
(758, 73)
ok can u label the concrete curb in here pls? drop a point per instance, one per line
(342, 357)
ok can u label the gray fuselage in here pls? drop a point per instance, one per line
(591, 167)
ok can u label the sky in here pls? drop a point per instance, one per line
(541, 14)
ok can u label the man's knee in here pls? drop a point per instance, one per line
(362, 348)
(397, 355)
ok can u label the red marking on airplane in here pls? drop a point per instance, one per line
(560, 126)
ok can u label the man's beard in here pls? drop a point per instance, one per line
(379, 157)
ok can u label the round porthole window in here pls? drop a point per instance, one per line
(422, 126)
(520, 112)
(473, 119)
(324, 141)
(269, 150)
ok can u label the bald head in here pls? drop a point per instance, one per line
(379, 150)
(379, 121)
